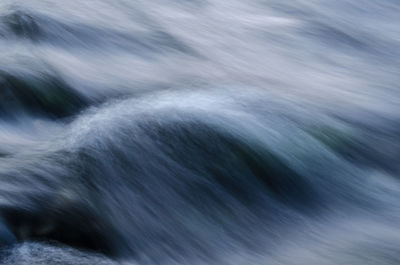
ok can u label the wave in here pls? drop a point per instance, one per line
(43, 29)
(156, 156)
(40, 94)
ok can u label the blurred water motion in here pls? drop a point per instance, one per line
(200, 132)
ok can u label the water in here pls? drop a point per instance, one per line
(199, 132)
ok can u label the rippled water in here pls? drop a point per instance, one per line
(200, 132)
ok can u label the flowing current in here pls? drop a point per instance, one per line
(261, 132)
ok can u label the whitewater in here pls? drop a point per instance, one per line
(226, 132)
